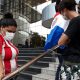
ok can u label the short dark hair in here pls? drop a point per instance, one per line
(8, 22)
(68, 4)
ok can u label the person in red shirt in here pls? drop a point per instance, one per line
(8, 52)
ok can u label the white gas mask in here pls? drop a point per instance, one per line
(9, 36)
(64, 16)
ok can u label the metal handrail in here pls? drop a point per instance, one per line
(29, 63)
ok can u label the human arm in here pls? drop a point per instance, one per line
(63, 40)
(1, 64)
(1, 68)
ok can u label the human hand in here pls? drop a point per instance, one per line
(1, 74)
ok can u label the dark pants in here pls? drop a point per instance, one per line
(59, 67)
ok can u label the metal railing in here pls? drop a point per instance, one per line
(29, 63)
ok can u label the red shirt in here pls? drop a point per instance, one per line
(9, 55)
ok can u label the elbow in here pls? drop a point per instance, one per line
(63, 40)
(60, 43)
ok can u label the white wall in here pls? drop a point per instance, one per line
(20, 37)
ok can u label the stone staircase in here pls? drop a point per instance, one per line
(43, 69)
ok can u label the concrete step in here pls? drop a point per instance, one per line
(31, 51)
(33, 54)
(38, 66)
(27, 75)
(41, 63)
(45, 70)
(40, 48)
(36, 69)
(29, 54)
(54, 64)
(33, 69)
(22, 62)
(22, 78)
(49, 71)
(46, 59)
(34, 76)
(43, 77)
(26, 57)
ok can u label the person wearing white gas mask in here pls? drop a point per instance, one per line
(70, 68)
(8, 52)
